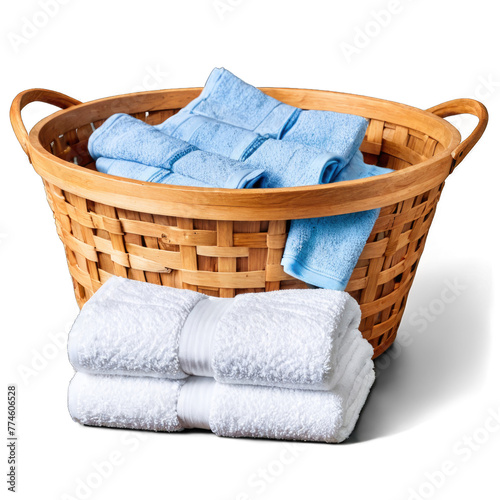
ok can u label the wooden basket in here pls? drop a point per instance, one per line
(223, 241)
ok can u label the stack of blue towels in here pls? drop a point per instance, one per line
(235, 136)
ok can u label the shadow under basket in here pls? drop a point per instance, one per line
(223, 242)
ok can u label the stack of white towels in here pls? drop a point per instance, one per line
(290, 364)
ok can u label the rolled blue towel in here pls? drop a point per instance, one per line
(122, 137)
(209, 134)
(286, 164)
(138, 171)
(228, 99)
(324, 251)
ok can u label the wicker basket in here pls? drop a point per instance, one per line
(224, 242)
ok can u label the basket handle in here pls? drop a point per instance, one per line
(459, 107)
(26, 97)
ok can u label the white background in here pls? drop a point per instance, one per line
(431, 393)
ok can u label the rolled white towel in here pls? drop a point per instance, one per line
(227, 410)
(290, 338)
(125, 402)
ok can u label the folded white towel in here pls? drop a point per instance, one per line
(290, 338)
(228, 410)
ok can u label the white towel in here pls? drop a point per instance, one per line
(290, 338)
(125, 402)
(227, 410)
(131, 328)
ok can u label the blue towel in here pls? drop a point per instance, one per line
(122, 137)
(140, 172)
(228, 99)
(286, 164)
(320, 251)
(324, 251)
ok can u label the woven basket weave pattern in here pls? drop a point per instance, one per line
(224, 258)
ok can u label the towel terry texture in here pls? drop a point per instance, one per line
(235, 136)
(287, 164)
(282, 365)
(324, 251)
(122, 137)
(295, 147)
(227, 410)
(292, 338)
(140, 172)
(228, 99)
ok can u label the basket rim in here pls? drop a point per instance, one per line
(252, 204)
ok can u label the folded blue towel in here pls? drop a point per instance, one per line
(324, 251)
(321, 251)
(286, 164)
(228, 99)
(140, 172)
(122, 137)
(238, 121)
